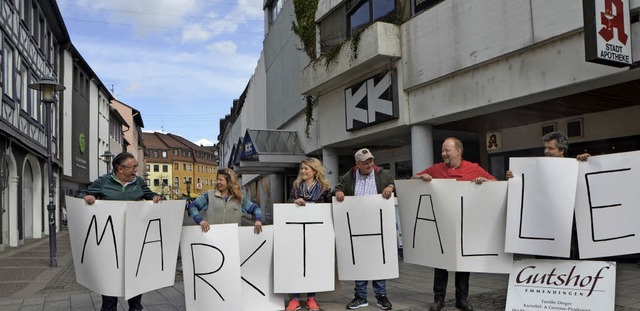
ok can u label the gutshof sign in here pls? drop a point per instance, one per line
(372, 101)
(562, 285)
(607, 32)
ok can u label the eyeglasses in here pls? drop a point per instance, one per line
(130, 167)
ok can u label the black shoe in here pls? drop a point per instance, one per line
(383, 302)
(464, 306)
(436, 305)
(357, 302)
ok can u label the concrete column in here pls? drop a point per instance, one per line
(330, 162)
(13, 211)
(421, 147)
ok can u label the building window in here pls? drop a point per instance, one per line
(184, 166)
(165, 168)
(176, 166)
(148, 167)
(156, 168)
(369, 12)
(156, 182)
(165, 182)
(164, 154)
(8, 67)
(420, 6)
(155, 153)
(176, 152)
(190, 167)
(274, 10)
(176, 182)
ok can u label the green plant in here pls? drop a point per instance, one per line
(305, 25)
(308, 113)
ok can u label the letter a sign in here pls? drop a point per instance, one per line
(607, 32)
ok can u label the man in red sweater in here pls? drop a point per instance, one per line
(453, 166)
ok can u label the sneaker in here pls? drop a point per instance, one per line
(357, 302)
(383, 302)
(293, 305)
(464, 305)
(436, 305)
(312, 305)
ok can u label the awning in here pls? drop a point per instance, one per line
(267, 151)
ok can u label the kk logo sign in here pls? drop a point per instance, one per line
(372, 101)
(607, 29)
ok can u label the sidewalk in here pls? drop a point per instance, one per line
(28, 284)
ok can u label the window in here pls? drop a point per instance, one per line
(423, 5)
(8, 67)
(148, 167)
(368, 12)
(165, 182)
(190, 167)
(184, 166)
(185, 180)
(274, 10)
(165, 168)
(155, 153)
(176, 166)
(176, 182)
(156, 168)
(176, 152)
(164, 154)
(156, 182)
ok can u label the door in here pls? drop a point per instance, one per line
(27, 202)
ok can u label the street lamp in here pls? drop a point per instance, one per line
(107, 156)
(48, 86)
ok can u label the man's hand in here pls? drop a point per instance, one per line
(156, 198)
(299, 201)
(339, 196)
(508, 174)
(387, 192)
(204, 225)
(479, 180)
(89, 199)
(257, 227)
(425, 177)
(583, 157)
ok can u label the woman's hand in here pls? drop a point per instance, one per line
(300, 202)
(257, 227)
(204, 225)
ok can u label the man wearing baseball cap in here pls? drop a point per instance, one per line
(366, 179)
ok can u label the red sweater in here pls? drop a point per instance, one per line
(467, 171)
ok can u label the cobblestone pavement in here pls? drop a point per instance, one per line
(27, 283)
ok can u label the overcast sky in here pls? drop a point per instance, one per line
(180, 62)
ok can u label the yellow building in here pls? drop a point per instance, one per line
(192, 169)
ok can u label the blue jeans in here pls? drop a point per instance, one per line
(297, 296)
(379, 288)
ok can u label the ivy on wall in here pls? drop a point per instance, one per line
(305, 25)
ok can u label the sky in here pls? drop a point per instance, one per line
(179, 62)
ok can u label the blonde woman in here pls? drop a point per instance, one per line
(225, 204)
(310, 186)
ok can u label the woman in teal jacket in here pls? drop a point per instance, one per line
(121, 185)
(224, 205)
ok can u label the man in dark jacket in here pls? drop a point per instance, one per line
(366, 179)
(121, 185)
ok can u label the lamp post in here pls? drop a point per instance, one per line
(47, 87)
(107, 156)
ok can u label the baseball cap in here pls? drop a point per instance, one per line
(363, 155)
